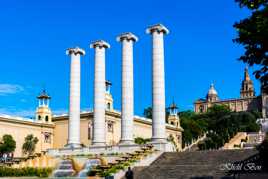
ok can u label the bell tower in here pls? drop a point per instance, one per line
(173, 118)
(43, 112)
(108, 96)
(247, 88)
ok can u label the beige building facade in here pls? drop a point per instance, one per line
(248, 101)
(52, 131)
(142, 128)
(40, 127)
(19, 128)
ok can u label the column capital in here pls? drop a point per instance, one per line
(100, 43)
(75, 50)
(128, 36)
(158, 28)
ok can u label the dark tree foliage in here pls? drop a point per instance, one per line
(253, 35)
(263, 150)
(141, 141)
(29, 144)
(148, 112)
(219, 123)
(8, 144)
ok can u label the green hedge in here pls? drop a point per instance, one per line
(23, 172)
(117, 168)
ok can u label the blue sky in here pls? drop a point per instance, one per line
(35, 34)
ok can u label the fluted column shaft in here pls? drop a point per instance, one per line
(99, 125)
(74, 106)
(158, 86)
(127, 101)
(159, 113)
(127, 92)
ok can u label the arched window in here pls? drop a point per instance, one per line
(110, 126)
(46, 118)
(47, 137)
(89, 133)
(39, 117)
(108, 106)
(201, 109)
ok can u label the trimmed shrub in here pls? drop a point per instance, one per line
(24, 172)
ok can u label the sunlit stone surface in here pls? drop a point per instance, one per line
(127, 103)
(159, 132)
(99, 128)
(74, 108)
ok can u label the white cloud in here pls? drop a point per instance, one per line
(17, 113)
(30, 113)
(7, 89)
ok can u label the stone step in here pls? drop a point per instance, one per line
(65, 169)
(192, 164)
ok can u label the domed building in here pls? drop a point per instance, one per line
(247, 101)
(212, 95)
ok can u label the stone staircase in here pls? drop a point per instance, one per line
(236, 140)
(65, 169)
(194, 145)
(193, 164)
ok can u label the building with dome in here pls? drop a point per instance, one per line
(247, 101)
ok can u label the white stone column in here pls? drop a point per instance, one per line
(74, 106)
(99, 125)
(127, 102)
(159, 114)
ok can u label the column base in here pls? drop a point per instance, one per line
(73, 145)
(126, 142)
(159, 140)
(98, 144)
(163, 145)
(128, 146)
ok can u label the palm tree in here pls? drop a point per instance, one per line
(29, 145)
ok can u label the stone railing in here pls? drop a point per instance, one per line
(235, 141)
(194, 142)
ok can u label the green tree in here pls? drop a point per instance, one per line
(8, 144)
(148, 112)
(253, 35)
(29, 144)
(140, 140)
(194, 125)
(219, 122)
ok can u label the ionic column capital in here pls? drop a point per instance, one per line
(75, 50)
(100, 44)
(160, 28)
(128, 36)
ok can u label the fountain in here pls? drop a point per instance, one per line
(65, 169)
(88, 166)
